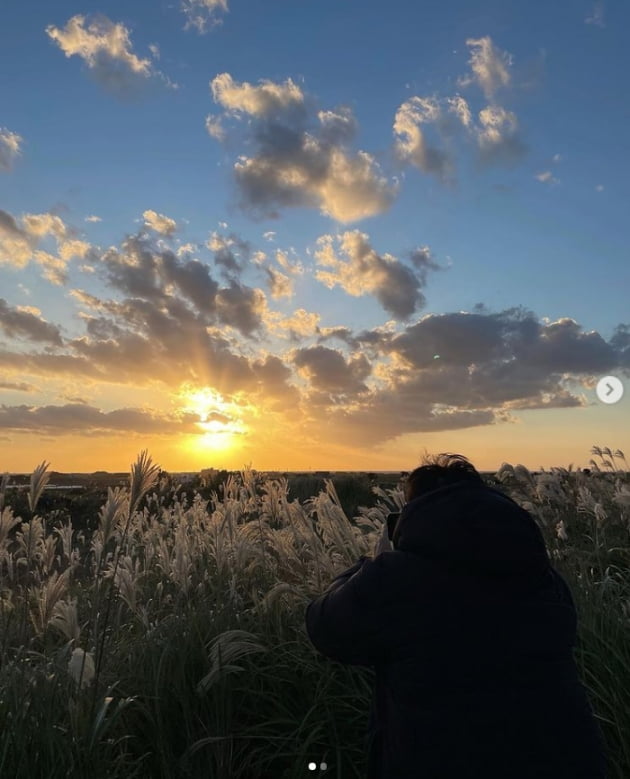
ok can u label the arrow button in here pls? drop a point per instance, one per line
(609, 389)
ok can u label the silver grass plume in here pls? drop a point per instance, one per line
(39, 479)
(144, 475)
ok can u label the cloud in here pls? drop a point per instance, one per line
(202, 14)
(428, 129)
(226, 251)
(300, 156)
(19, 323)
(546, 177)
(460, 108)
(269, 235)
(338, 126)
(80, 418)
(267, 99)
(140, 270)
(10, 150)
(17, 386)
(106, 49)
(597, 15)
(294, 269)
(241, 307)
(41, 225)
(328, 370)
(512, 342)
(280, 286)
(16, 246)
(170, 322)
(489, 65)
(361, 270)
(215, 127)
(498, 136)
(391, 413)
(495, 134)
(73, 248)
(93, 219)
(301, 324)
(411, 145)
(458, 370)
(160, 223)
(186, 249)
(19, 243)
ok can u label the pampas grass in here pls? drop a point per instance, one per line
(170, 642)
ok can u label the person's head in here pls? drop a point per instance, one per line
(438, 471)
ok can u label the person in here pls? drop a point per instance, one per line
(470, 631)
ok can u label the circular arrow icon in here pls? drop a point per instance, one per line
(609, 389)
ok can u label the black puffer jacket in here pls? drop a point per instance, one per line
(471, 634)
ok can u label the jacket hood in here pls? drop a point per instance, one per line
(474, 528)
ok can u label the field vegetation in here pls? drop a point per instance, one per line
(165, 637)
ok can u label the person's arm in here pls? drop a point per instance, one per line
(349, 622)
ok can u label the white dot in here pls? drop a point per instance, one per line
(312, 766)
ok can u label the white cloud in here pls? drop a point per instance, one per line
(106, 49)
(458, 106)
(546, 177)
(338, 126)
(280, 286)
(9, 148)
(490, 66)
(362, 271)
(229, 252)
(428, 129)
(20, 242)
(202, 14)
(214, 127)
(599, 188)
(597, 15)
(412, 145)
(73, 248)
(160, 223)
(300, 157)
(282, 258)
(93, 219)
(301, 324)
(261, 101)
(269, 235)
(185, 248)
(40, 225)
(353, 189)
(497, 135)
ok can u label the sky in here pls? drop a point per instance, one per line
(318, 235)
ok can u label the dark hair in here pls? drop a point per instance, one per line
(438, 471)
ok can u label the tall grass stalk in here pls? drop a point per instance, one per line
(192, 615)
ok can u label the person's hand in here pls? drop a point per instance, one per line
(384, 544)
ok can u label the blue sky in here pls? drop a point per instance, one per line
(232, 232)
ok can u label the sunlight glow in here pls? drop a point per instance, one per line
(219, 419)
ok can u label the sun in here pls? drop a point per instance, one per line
(220, 424)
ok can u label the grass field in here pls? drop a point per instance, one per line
(166, 638)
